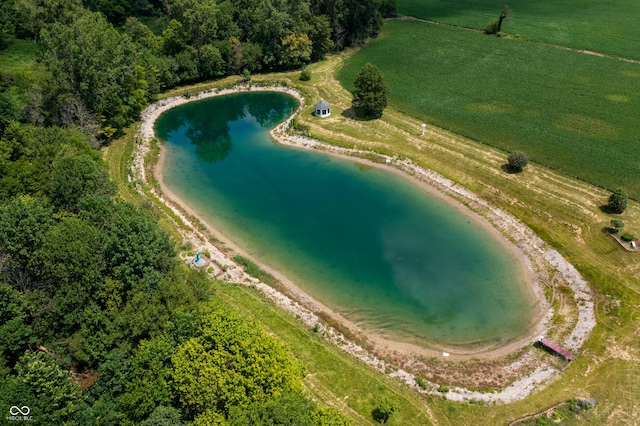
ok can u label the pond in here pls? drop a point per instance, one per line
(370, 244)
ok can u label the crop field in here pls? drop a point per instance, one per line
(610, 27)
(573, 112)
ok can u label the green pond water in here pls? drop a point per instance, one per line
(367, 243)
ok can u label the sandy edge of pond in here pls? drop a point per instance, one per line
(535, 254)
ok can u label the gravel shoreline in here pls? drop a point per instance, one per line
(541, 260)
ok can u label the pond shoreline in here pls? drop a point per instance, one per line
(537, 255)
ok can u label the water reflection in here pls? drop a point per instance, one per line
(208, 129)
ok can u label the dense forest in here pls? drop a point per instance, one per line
(102, 64)
(100, 323)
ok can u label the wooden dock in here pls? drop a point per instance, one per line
(556, 348)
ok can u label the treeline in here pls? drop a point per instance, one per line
(100, 324)
(103, 64)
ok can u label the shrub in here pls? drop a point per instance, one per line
(305, 75)
(384, 410)
(492, 26)
(617, 224)
(421, 382)
(443, 388)
(517, 160)
(586, 403)
(627, 237)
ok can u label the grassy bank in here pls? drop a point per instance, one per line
(573, 112)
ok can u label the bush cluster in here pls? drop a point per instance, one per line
(305, 75)
(627, 237)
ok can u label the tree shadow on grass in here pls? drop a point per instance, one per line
(609, 230)
(379, 416)
(509, 169)
(353, 115)
(605, 208)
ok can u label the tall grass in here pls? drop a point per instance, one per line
(573, 112)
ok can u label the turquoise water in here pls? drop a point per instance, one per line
(368, 243)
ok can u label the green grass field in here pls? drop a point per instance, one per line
(609, 27)
(19, 56)
(573, 112)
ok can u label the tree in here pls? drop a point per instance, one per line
(72, 256)
(24, 223)
(617, 201)
(297, 49)
(31, 16)
(92, 61)
(137, 247)
(15, 331)
(164, 416)
(75, 176)
(616, 226)
(384, 410)
(232, 363)
(371, 92)
(286, 409)
(517, 161)
(320, 35)
(44, 387)
(495, 25)
(148, 389)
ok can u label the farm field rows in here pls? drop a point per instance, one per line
(608, 27)
(573, 112)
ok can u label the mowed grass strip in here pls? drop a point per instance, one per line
(573, 112)
(609, 27)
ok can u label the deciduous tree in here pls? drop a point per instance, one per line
(517, 161)
(370, 93)
(44, 387)
(232, 363)
(617, 202)
(93, 61)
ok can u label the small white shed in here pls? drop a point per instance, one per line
(322, 109)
